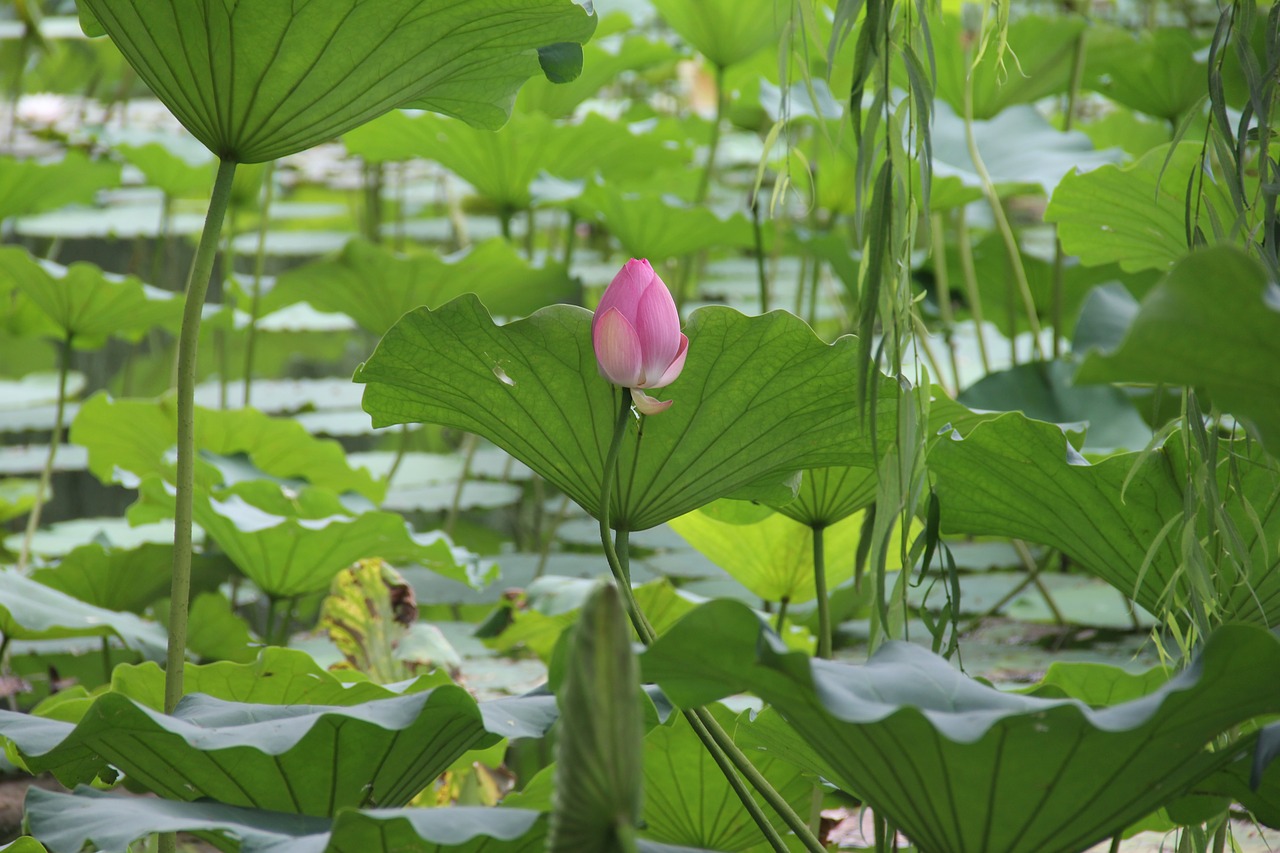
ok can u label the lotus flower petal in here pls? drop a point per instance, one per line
(647, 405)
(617, 349)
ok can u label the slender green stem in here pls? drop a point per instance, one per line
(259, 266)
(761, 276)
(188, 340)
(1059, 255)
(781, 619)
(688, 263)
(713, 144)
(942, 293)
(402, 447)
(455, 506)
(570, 240)
(820, 590)
(1003, 228)
(1114, 846)
(504, 221)
(46, 475)
(971, 292)
(717, 742)
(549, 537)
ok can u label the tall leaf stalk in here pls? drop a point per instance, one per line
(188, 342)
(732, 761)
(46, 475)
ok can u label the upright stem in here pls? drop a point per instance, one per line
(704, 185)
(259, 266)
(719, 745)
(761, 276)
(820, 589)
(455, 505)
(971, 291)
(1059, 255)
(188, 340)
(1004, 229)
(713, 144)
(46, 476)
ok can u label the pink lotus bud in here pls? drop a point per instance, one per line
(636, 334)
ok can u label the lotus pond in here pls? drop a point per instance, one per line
(662, 425)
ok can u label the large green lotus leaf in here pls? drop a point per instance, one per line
(959, 766)
(305, 759)
(257, 81)
(1097, 684)
(828, 495)
(375, 287)
(687, 799)
(123, 578)
(87, 304)
(28, 186)
(25, 844)
(1214, 323)
(33, 611)
(1016, 477)
(773, 557)
(1159, 72)
(1036, 65)
(659, 227)
(277, 677)
(1018, 146)
(1047, 391)
(759, 398)
(503, 166)
(1243, 781)
(724, 31)
(173, 163)
(69, 822)
(294, 542)
(1135, 215)
(135, 437)
(17, 497)
(598, 772)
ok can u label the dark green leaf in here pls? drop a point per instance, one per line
(960, 766)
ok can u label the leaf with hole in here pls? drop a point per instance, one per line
(257, 81)
(759, 398)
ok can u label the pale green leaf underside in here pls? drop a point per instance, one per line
(759, 398)
(33, 611)
(256, 81)
(961, 767)
(303, 759)
(1135, 215)
(111, 823)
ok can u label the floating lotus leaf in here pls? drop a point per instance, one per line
(959, 766)
(303, 759)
